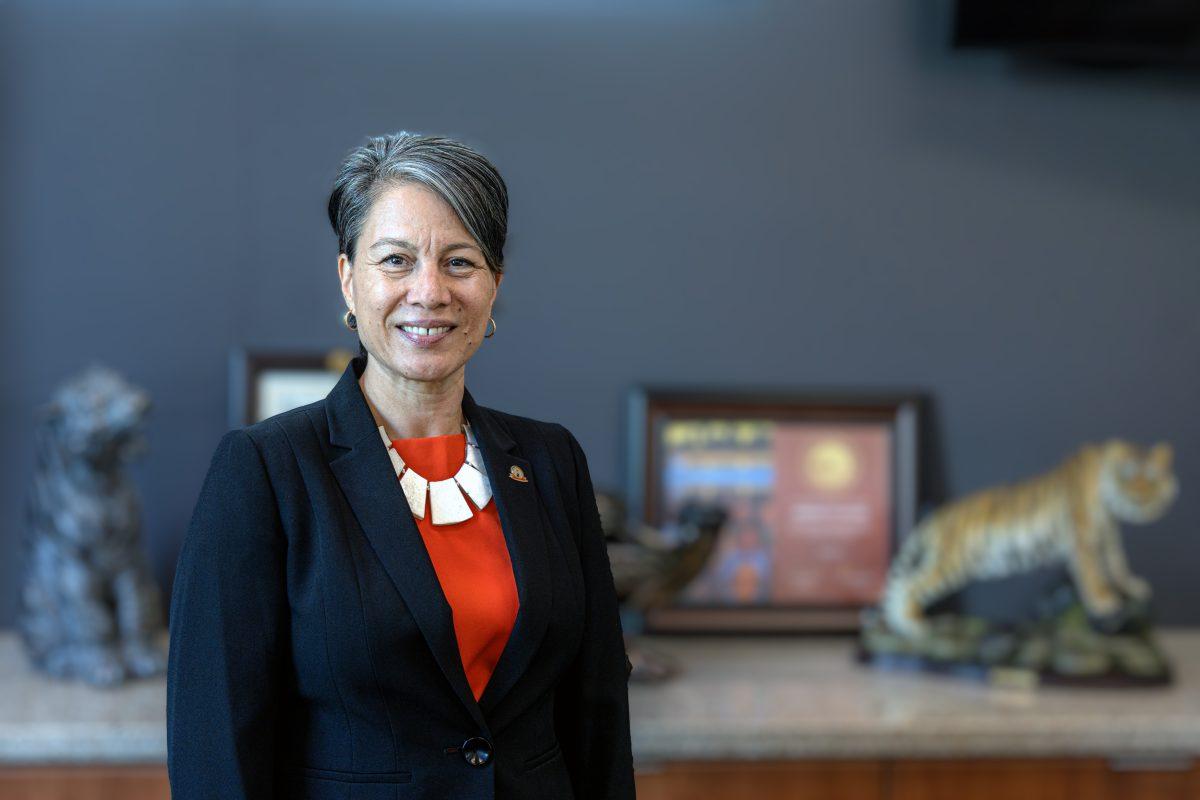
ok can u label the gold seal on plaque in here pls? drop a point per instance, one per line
(830, 465)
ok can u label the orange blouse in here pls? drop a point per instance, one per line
(470, 559)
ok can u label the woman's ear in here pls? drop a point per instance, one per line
(346, 279)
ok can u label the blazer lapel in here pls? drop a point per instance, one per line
(369, 482)
(521, 518)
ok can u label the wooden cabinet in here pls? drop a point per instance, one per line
(1035, 779)
(84, 783)
(732, 780)
(971, 779)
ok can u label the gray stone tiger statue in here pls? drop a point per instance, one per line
(89, 607)
(1067, 516)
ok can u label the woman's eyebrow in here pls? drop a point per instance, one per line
(404, 243)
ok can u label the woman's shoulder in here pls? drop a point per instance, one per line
(292, 431)
(538, 439)
(305, 430)
(525, 430)
(285, 423)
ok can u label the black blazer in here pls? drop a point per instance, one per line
(312, 651)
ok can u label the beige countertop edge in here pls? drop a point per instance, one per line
(877, 744)
(82, 745)
(664, 743)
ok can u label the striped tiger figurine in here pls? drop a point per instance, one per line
(1067, 516)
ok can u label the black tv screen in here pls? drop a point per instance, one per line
(1133, 31)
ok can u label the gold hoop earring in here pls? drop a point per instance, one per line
(349, 320)
(493, 333)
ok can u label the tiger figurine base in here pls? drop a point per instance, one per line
(1068, 516)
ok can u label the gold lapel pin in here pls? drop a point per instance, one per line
(517, 474)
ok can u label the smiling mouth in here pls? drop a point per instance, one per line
(421, 336)
(416, 330)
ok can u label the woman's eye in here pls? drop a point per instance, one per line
(461, 264)
(394, 261)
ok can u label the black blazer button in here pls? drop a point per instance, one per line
(477, 751)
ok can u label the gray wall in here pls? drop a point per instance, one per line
(796, 194)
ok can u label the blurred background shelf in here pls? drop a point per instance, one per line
(750, 718)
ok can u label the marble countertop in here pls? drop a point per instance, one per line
(807, 698)
(739, 698)
(43, 720)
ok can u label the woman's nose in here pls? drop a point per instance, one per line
(429, 286)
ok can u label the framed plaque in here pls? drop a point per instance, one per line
(263, 384)
(818, 489)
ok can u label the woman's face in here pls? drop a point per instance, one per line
(416, 267)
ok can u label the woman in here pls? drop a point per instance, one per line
(395, 592)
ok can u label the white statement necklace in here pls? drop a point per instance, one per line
(446, 502)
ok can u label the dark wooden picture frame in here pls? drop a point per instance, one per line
(870, 419)
(251, 370)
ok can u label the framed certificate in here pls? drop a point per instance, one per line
(263, 384)
(817, 488)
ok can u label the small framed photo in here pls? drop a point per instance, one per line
(263, 384)
(818, 490)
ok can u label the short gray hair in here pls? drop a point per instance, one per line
(461, 176)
